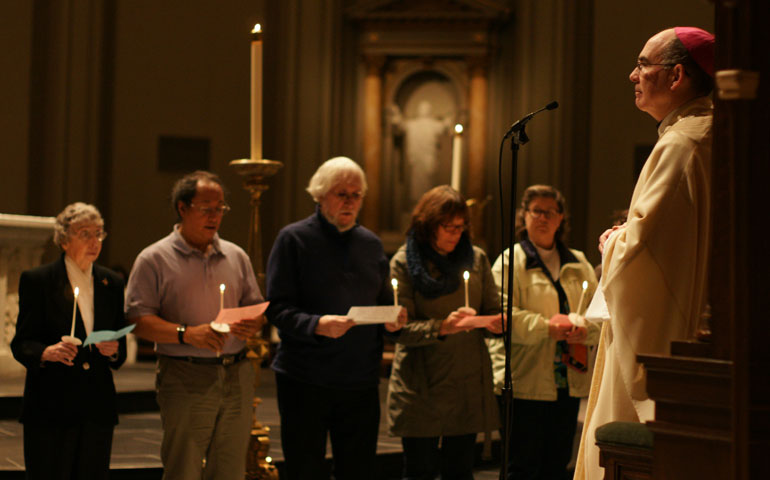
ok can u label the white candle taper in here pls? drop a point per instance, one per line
(221, 296)
(394, 282)
(256, 92)
(457, 152)
(74, 311)
(466, 277)
(582, 298)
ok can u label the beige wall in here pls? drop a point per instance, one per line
(182, 68)
(620, 31)
(16, 41)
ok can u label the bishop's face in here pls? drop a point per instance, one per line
(652, 80)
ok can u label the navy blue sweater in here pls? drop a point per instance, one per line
(315, 270)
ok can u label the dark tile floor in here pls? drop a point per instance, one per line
(137, 438)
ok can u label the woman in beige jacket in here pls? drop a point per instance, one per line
(549, 365)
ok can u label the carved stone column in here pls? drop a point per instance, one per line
(373, 138)
(477, 135)
(22, 242)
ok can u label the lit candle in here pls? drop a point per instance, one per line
(74, 311)
(394, 282)
(221, 296)
(256, 92)
(582, 298)
(457, 152)
(466, 276)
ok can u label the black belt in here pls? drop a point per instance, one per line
(225, 359)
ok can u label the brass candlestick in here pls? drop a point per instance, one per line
(255, 174)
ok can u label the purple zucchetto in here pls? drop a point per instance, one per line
(700, 44)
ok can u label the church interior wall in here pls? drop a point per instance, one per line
(181, 69)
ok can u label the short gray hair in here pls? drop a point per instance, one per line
(77, 212)
(331, 173)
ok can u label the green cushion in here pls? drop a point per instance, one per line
(630, 434)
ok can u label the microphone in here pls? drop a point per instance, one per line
(520, 124)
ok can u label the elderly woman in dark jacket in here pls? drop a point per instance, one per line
(69, 408)
(441, 384)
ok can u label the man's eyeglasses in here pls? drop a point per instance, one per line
(352, 197)
(548, 214)
(208, 211)
(450, 228)
(640, 65)
(86, 235)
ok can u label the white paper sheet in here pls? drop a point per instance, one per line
(375, 314)
(597, 310)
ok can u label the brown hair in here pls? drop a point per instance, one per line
(438, 205)
(547, 191)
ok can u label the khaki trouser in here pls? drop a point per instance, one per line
(206, 413)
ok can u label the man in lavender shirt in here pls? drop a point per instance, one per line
(204, 382)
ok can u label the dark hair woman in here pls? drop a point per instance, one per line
(441, 384)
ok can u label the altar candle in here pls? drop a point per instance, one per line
(466, 276)
(394, 282)
(256, 92)
(74, 311)
(582, 298)
(221, 296)
(457, 151)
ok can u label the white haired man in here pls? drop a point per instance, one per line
(655, 265)
(327, 372)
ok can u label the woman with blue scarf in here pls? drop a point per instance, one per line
(440, 389)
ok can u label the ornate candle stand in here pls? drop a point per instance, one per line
(255, 174)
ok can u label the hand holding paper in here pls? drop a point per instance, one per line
(243, 322)
(493, 323)
(333, 326)
(99, 336)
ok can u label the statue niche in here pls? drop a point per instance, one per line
(418, 143)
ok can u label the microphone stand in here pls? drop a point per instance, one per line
(518, 137)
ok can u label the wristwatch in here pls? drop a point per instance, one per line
(180, 333)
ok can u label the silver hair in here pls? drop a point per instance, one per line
(331, 173)
(77, 212)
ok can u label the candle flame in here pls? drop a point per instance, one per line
(257, 28)
(585, 284)
(458, 129)
(466, 275)
(77, 292)
(222, 287)
(394, 282)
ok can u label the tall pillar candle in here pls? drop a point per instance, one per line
(466, 277)
(256, 92)
(457, 155)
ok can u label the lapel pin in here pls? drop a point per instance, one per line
(104, 281)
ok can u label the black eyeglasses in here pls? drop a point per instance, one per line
(537, 213)
(640, 65)
(352, 197)
(450, 228)
(86, 235)
(208, 211)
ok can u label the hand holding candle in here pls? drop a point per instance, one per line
(466, 277)
(71, 338)
(394, 282)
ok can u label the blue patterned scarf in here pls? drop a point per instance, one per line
(450, 267)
